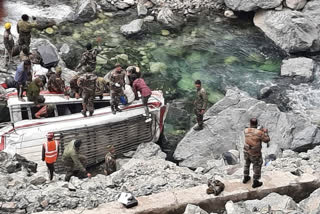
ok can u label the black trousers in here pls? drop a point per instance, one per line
(51, 170)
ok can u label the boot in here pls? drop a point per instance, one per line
(256, 183)
(246, 178)
(113, 110)
(117, 108)
(84, 113)
(90, 113)
(198, 128)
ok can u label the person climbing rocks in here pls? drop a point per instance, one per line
(87, 83)
(74, 161)
(110, 160)
(117, 82)
(24, 28)
(139, 85)
(8, 43)
(33, 91)
(21, 77)
(55, 82)
(252, 151)
(88, 60)
(200, 104)
(50, 152)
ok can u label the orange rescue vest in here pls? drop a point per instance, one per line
(51, 153)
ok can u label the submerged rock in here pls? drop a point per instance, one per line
(133, 28)
(227, 120)
(293, 31)
(301, 66)
(170, 19)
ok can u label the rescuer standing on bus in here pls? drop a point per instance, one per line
(50, 152)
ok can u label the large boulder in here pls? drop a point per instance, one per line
(133, 28)
(293, 31)
(147, 151)
(300, 66)
(170, 19)
(86, 11)
(296, 4)
(229, 117)
(244, 5)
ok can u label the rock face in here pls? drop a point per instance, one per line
(170, 19)
(296, 4)
(244, 5)
(293, 31)
(312, 9)
(301, 66)
(312, 203)
(229, 117)
(133, 28)
(147, 151)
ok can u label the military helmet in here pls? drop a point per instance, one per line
(58, 70)
(77, 143)
(110, 148)
(7, 25)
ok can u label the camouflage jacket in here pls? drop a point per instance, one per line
(33, 91)
(87, 82)
(8, 40)
(89, 58)
(110, 163)
(25, 27)
(71, 157)
(201, 100)
(101, 86)
(119, 78)
(253, 140)
(56, 84)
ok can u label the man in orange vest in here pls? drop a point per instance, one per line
(50, 152)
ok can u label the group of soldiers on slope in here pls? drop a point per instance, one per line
(89, 85)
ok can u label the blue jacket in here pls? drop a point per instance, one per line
(21, 76)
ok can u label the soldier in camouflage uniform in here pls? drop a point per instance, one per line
(200, 104)
(252, 151)
(117, 82)
(24, 28)
(87, 83)
(8, 42)
(88, 60)
(74, 91)
(56, 83)
(110, 161)
(101, 87)
(74, 162)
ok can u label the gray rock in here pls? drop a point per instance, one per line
(224, 130)
(293, 31)
(129, 2)
(296, 4)
(300, 66)
(312, 10)
(106, 6)
(9, 207)
(38, 181)
(142, 9)
(149, 19)
(244, 5)
(311, 204)
(133, 28)
(192, 209)
(122, 5)
(147, 151)
(170, 19)
(85, 11)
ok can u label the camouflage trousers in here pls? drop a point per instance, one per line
(24, 39)
(109, 165)
(71, 171)
(199, 116)
(88, 100)
(115, 97)
(257, 164)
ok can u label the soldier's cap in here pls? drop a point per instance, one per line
(110, 147)
(58, 70)
(7, 25)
